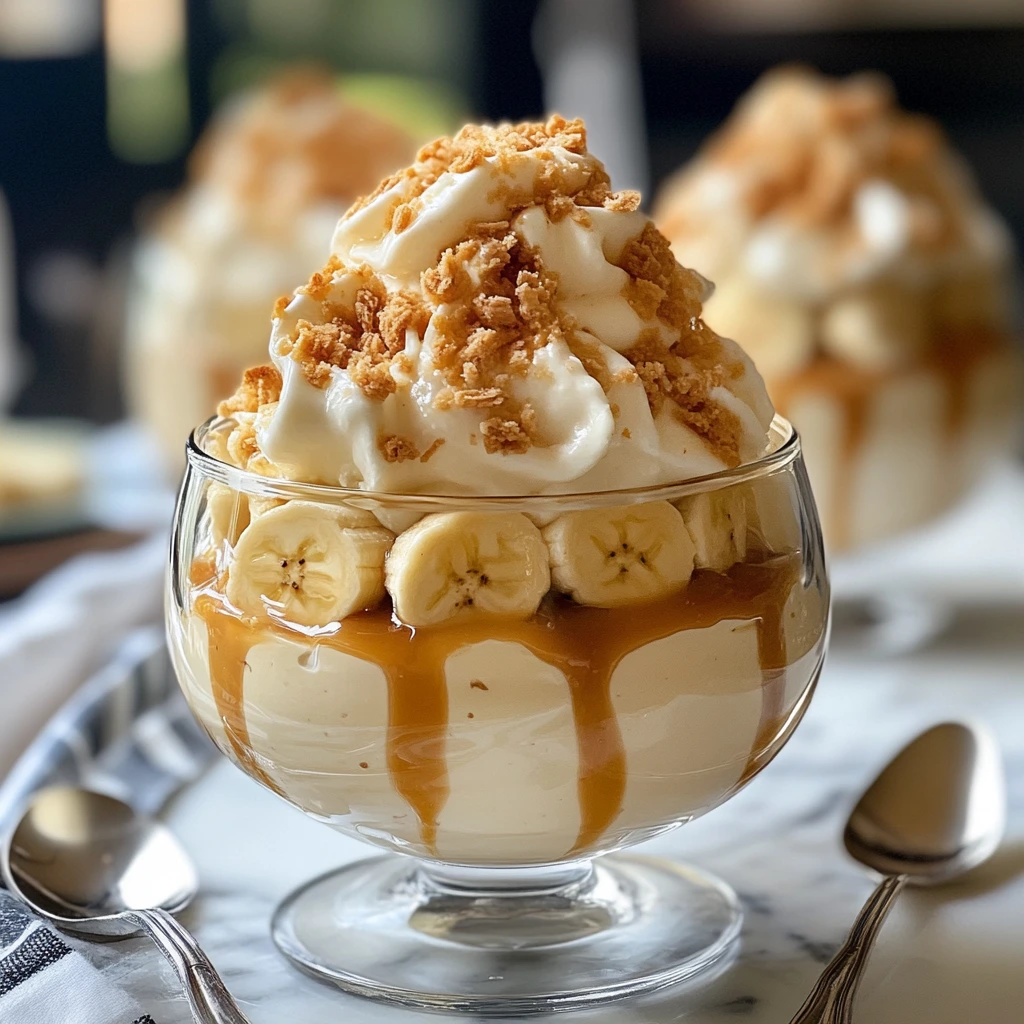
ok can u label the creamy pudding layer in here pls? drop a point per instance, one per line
(870, 283)
(494, 741)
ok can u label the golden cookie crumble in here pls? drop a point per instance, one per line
(489, 304)
(365, 338)
(806, 144)
(295, 142)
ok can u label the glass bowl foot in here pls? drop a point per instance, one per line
(507, 942)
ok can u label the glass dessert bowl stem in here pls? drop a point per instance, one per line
(504, 753)
(516, 943)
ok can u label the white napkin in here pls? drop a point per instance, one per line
(44, 981)
(64, 628)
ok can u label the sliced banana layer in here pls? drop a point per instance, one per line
(452, 562)
(228, 511)
(305, 563)
(612, 557)
(717, 521)
(877, 328)
(776, 332)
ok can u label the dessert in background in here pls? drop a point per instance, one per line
(482, 680)
(268, 180)
(855, 260)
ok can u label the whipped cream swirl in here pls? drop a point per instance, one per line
(496, 320)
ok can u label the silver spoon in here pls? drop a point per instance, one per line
(90, 864)
(937, 810)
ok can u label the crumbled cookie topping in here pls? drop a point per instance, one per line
(432, 450)
(658, 285)
(260, 385)
(475, 144)
(396, 448)
(489, 303)
(294, 143)
(365, 338)
(508, 436)
(685, 372)
(684, 375)
(806, 144)
(486, 333)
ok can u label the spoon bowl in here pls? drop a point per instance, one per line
(936, 810)
(91, 865)
(84, 860)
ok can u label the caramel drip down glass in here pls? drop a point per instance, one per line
(503, 762)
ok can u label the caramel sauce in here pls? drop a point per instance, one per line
(953, 356)
(585, 644)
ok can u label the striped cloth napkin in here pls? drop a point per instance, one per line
(44, 981)
(126, 732)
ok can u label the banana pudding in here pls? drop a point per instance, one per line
(503, 558)
(268, 181)
(869, 282)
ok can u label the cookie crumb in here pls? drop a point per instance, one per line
(626, 201)
(260, 385)
(429, 453)
(509, 437)
(396, 448)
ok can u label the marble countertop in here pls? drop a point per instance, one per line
(949, 956)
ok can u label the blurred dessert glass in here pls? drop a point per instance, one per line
(504, 563)
(268, 181)
(856, 262)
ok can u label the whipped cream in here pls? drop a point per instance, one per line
(496, 320)
(815, 186)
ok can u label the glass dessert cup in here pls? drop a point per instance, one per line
(505, 756)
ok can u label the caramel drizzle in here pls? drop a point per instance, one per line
(585, 644)
(229, 644)
(954, 357)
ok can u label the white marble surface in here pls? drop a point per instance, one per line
(951, 956)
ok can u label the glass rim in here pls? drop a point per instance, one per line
(784, 450)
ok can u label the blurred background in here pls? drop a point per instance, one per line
(102, 102)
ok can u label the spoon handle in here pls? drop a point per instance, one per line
(208, 999)
(831, 999)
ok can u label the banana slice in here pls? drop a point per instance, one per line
(216, 445)
(773, 514)
(618, 556)
(304, 563)
(717, 521)
(775, 331)
(451, 562)
(241, 442)
(261, 503)
(877, 328)
(228, 511)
